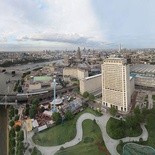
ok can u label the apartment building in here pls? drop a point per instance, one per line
(116, 83)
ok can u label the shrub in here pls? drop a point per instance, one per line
(11, 123)
(17, 128)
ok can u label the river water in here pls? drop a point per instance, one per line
(4, 77)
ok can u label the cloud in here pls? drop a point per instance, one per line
(71, 38)
(72, 22)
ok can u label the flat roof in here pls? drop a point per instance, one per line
(35, 123)
(49, 113)
(57, 101)
(42, 78)
(41, 128)
(143, 68)
(91, 77)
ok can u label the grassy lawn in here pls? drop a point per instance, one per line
(118, 129)
(35, 151)
(92, 142)
(62, 133)
(153, 97)
(149, 142)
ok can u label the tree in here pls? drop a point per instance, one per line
(42, 109)
(85, 94)
(140, 117)
(35, 101)
(131, 121)
(22, 81)
(13, 142)
(145, 111)
(137, 111)
(33, 111)
(12, 151)
(91, 97)
(16, 118)
(20, 135)
(11, 123)
(150, 121)
(27, 111)
(76, 90)
(17, 128)
(16, 111)
(19, 89)
(12, 133)
(11, 112)
(113, 111)
(68, 115)
(56, 117)
(20, 148)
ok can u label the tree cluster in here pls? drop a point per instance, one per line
(87, 95)
(56, 117)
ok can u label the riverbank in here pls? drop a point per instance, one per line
(3, 131)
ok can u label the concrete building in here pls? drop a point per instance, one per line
(116, 84)
(66, 60)
(132, 83)
(145, 76)
(78, 54)
(75, 73)
(92, 84)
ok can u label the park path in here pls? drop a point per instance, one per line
(110, 143)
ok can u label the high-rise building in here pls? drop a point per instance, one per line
(66, 60)
(116, 83)
(78, 55)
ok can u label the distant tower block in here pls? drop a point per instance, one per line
(120, 47)
(78, 54)
(66, 60)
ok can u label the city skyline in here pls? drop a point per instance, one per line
(45, 24)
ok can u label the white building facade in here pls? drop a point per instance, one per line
(91, 84)
(116, 84)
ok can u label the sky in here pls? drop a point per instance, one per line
(68, 24)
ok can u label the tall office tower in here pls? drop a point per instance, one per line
(116, 83)
(120, 48)
(78, 55)
(66, 60)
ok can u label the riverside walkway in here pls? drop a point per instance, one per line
(110, 143)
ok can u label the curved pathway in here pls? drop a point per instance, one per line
(110, 143)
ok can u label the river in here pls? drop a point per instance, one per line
(4, 77)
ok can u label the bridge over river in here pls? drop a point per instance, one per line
(14, 98)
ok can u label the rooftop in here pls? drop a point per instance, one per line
(42, 78)
(91, 77)
(143, 68)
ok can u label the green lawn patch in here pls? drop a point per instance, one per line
(153, 97)
(35, 151)
(118, 129)
(62, 133)
(92, 142)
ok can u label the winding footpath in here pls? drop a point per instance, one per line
(110, 143)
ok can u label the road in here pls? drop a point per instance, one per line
(110, 143)
(3, 130)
